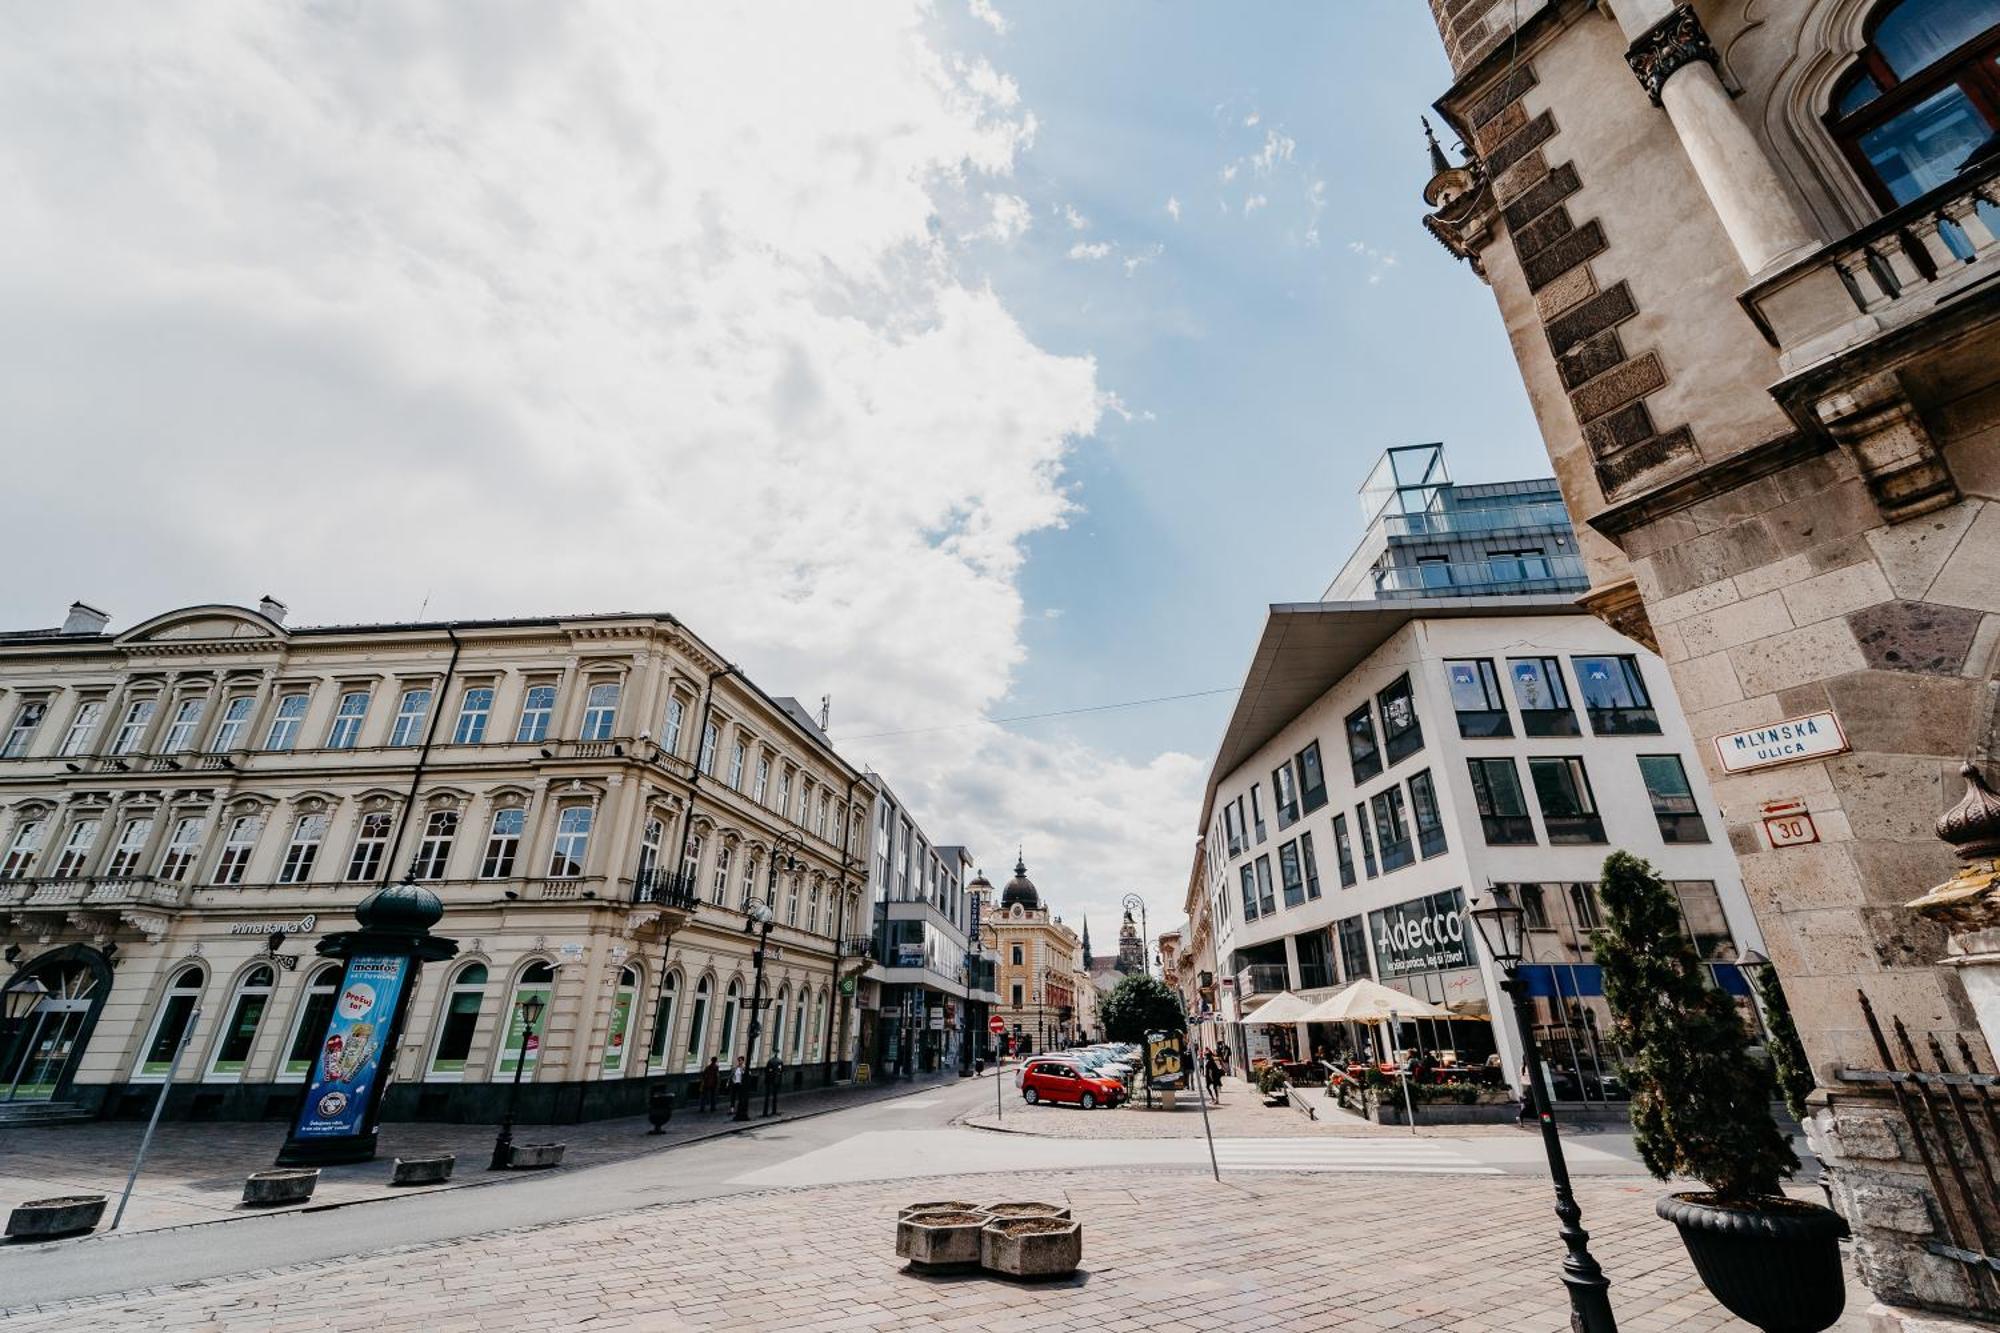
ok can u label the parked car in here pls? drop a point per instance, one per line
(1053, 1080)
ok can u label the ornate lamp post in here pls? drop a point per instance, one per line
(503, 1142)
(761, 917)
(1134, 903)
(1500, 925)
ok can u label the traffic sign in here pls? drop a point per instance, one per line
(996, 1025)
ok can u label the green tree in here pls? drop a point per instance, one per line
(1139, 1004)
(1701, 1103)
(1788, 1053)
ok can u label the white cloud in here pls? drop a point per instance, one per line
(1134, 262)
(1092, 250)
(1252, 120)
(1074, 218)
(1010, 217)
(1378, 261)
(984, 11)
(546, 309)
(1253, 203)
(1277, 148)
(1229, 172)
(1173, 208)
(1316, 205)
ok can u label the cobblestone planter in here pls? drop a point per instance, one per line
(46, 1219)
(941, 1242)
(268, 1189)
(1054, 1210)
(944, 1206)
(535, 1156)
(423, 1170)
(1031, 1248)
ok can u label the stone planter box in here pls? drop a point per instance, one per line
(423, 1170)
(46, 1219)
(945, 1206)
(1389, 1111)
(535, 1156)
(941, 1242)
(1031, 1248)
(1054, 1210)
(267, 1189)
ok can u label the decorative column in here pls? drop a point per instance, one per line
(1675, 63)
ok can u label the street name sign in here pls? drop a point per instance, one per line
(1811, 736)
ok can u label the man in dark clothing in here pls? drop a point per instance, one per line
(773, 1068)
(739, 1087)
(711, 1077)
(1213, 1072)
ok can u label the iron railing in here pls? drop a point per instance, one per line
(671, 889)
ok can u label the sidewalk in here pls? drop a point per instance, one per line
(194, 1171)
(1242, 1115)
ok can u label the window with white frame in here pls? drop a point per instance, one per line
(778, 1021)
(805, 801)
(76, 849)
(26, 846)
(503, 843)
(663, 1022)
(697, 1034)
(463, 1000)
(371, 844)
(170, 1022)
(183, 845)
(736, 756)
(236, 848)
(784, 800)
(27, 720)
(411, 710)
(538, 705)
(812, 906)
(181, 730)
(235, 717)
(651, 838)
(624, 1000)
(572, 845)
(348, 715)
(726, 1048)
(792, 902)
(719, 890)
(600, 711)
(131, 845)
(537, 980)
(308, 832)
(434, 852)
(82, 727)
(819, 817)
(132, 727)
(239, 1029)
(315, 1008)
(709, 738)
(799, 1028)
(475, 708)
(670, 735)
(691, 861)
(749, 880)
(763, 781)
(283, 733)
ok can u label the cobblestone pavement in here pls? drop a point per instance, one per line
(194, 1172)
(1162, 1251)
(1242, 1114)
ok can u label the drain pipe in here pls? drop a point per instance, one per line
(423, 759)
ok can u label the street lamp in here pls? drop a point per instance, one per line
(762, 916)
(1134, 903)
(503, 1143)
(1501, 923)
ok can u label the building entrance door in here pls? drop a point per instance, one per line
(50, 1039)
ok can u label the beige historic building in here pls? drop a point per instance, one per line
(1744, 253)
(1037, 975)
(188, 804)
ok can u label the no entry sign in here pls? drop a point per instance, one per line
(996, 1025)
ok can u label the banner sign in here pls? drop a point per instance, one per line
(972, 931)
(910, 955)
(348, 1074)
(1166, 1060)
(1423, 935)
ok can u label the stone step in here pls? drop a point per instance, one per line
(41, 1113)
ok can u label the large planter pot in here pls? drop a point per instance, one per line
(268, 1189)
(46, 1219)
(940, 1242)
(1031, 1248)
(1775, 1264)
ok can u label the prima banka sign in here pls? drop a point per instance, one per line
(1813, 736)
(1423, 935)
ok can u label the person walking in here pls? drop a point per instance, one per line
(711, 1078)
(773, 1067)
(1222, 1053)
(739, 1086)
(1212, 1071)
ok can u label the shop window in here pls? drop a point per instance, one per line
(1503, 811)
(1569, 810)
(697, 1026)
(663, 1020)
(731, 998)
(1343, 852)
(1354, 964)
(1402, 734)
(1364, 754)
(1923, 100)
(170, 1023)
(1430, 822)
(463, 1000)
(315, 1009)
(1702, 918)
(1392, 830)
(239, 1031)
(1542, 697)
(1674, 806)
(778, 1022)
(1476, 698)
(1614, 694)
(1312, 778)
(1291, 875)
(538, 980)
(619, 1028)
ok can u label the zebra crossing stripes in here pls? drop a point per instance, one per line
(1382, 1155)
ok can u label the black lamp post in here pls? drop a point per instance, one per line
(503, 1143)
(1500, 923)
(1132, 902)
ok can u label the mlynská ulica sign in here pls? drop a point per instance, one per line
(1811, 736)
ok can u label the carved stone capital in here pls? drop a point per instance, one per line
(1676, 40)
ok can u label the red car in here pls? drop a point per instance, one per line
(1060, 1081)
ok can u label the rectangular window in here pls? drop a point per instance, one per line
(1364, 756)
(181, 731)
(1312, 778)
(538, 705)
(1267, 897)
(1017, 955)
(1257, 811)
(1249, 876)
(670, 737)
(1367, 840)
(371, 844)
(762, 785)
(1542, 697)
(1430, 821)
(737, 755)
(27, 718)
(600, 711)
(475, 707)
(1232, 823)
(1569, 811)
(1017, 996)
(567, 857)
(1291, 875)
(236, 848)
(26, 846)
(76, 849)
(709, 739)
(1285, 789)
(718, 889)
(1311, 863)
(132, 729)
(348, 715)
(1392, 830)
(1476, 698)
(1402, 735)
(691, 860)
(303, 850)
(411, 711)
(1673, 799)
(1503, 811)
(235, 717)
(1353, 949)
(434, 852)
(82, 727)
(1343, 851)
(785, 791)
(131, 844)
(1614, 694)
(284, 730)
(182, 847)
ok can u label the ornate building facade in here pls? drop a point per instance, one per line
(1037, 972)
(188, 804)
(1743, 250)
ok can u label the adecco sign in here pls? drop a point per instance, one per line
(1813, 736)
(1422, 935)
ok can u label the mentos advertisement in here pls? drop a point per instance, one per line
(350, 1059)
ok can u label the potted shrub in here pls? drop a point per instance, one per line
(1701, 1108)
(1272, 1083)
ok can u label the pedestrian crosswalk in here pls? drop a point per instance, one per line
(1400, 1156)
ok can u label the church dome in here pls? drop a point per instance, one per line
(1020, 890)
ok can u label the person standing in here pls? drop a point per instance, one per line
(739, 1086)
(773, 1067)
(711, 1077)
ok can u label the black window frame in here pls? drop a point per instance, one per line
(1361, 820)
(1391, 814)
(1351, 936)
(1678, 824)
(1974, 68)
(1557, 720)
(1285, 795)
(1489, 722)
(1291, 874)
(1430, 831)
(1257, 824)
(1311, 863)
(1267, 890)
(1363, 761)
(1399, 744)
(1343, 851)
(1247, 875)
(1312, 790)
(1636, 719)
(1582, 828)
(1501, 829)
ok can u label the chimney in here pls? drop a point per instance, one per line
(272, 608)
(85, 619)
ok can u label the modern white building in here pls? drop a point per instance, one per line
(1389, 759)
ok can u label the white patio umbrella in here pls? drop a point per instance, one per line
(1284, 1007)
(1369, 1002)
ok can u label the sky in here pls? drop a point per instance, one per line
(963, 361)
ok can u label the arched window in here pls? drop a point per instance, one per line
(538, 979)
(819, 1008)
(726, 1047)
(170, 1024)
(663, 1019)
(697, 1026)
(315, 1008)
(239, 1031)
(799, 1027)
(463, 999)
(777, 1024)
(1923, 102)
(649, 852)
(622, 1000)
